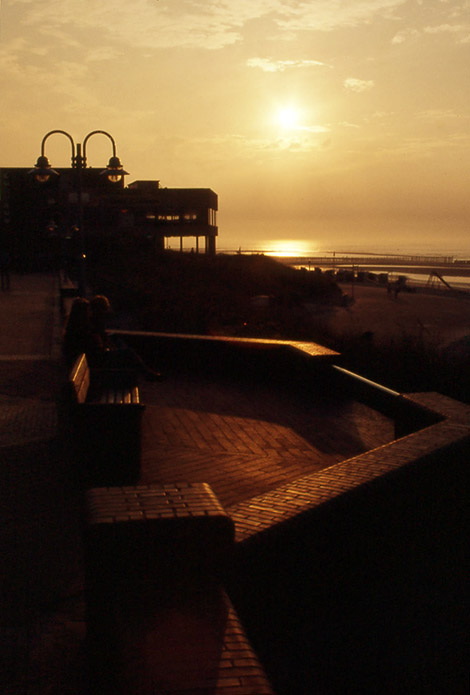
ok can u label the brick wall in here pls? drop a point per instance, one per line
(352, 580)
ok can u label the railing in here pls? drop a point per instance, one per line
(407, 415)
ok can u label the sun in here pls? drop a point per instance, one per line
(288, 117)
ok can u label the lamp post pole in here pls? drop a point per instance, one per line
(43, 171)
(79, 163)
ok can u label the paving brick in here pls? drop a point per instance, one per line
(240, 455)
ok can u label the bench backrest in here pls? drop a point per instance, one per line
(80, 379)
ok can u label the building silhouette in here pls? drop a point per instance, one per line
(38, 218)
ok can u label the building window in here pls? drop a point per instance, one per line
(168, 218)
(212, 218)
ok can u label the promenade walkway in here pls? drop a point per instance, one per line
(30, 370)
(242, 439)
(41, 626)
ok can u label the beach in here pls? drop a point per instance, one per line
(438, 319)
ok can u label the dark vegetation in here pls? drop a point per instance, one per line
(406, 363)
(255, 296)
(193, 293)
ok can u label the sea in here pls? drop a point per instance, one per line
(417, 258)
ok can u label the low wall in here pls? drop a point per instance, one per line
(276, 361)
(301, 366)
(352, 580)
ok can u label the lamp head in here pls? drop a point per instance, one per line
(114, 170)
(42, 171)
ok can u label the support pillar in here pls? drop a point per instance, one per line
(210, 245)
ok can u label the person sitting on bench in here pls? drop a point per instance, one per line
(104, 351)
(77, 334)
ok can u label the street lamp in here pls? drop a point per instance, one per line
(42, 172)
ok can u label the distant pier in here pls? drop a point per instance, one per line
(373, 260)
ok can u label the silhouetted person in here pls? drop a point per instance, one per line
(107, 352)
(99, 341)
(5, 269)
(77, 334)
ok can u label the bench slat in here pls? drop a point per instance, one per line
(80, 379)
(81, 391)
(135, 397)
(117, 397)
(80, 383)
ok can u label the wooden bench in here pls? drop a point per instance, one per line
(106, 416)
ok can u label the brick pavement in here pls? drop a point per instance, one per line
(23, 420)
(30, 321)
(244, 438)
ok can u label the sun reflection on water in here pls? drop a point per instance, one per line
(290, 248)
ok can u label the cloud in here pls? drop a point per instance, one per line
(327, 15)
(445, 17)
(461, 30)
(356, 85)
(270, 65)
(149, 24)
(211, 24)
(242, 148)
(25, 65)
(405, 35)
(347, 124)
(444, 28)
(207, 24)
(423, 147)
(449, 118)
(102, 53)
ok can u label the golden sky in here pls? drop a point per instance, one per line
(330, 121)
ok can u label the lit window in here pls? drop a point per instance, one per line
(168, 218)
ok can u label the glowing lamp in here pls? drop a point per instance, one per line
(42, 170)
(114, 170)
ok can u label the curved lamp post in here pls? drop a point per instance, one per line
(42, 171)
